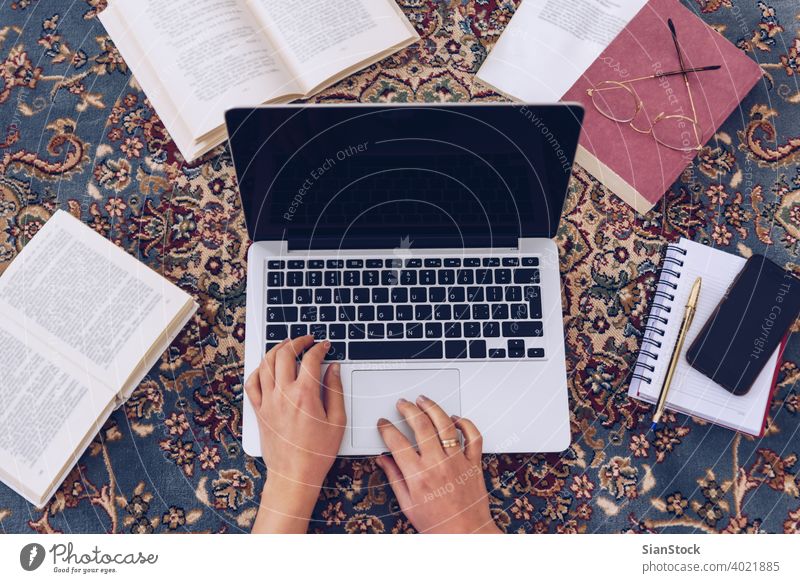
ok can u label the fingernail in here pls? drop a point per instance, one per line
(455, 418)
(423, 398)
(327, 344)
(337, 368)
(401, 401)
(382, 421)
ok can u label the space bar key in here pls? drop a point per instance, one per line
(405, 350)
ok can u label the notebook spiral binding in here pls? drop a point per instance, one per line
(658, 318)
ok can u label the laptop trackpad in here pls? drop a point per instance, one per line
(375, 393)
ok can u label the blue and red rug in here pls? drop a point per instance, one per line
(77, 133)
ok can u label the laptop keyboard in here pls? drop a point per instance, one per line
(473, 308)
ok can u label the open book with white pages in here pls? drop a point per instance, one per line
(83, 322)
(693, 393)
(195, 59)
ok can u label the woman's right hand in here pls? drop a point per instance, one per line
(440, 489)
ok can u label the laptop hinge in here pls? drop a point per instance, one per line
(410, 242)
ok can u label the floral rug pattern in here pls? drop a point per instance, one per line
(76, 132)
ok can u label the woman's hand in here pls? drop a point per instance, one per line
(440, 489)
(300, 430)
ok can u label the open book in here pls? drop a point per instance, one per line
(197, 58)
(83, 322)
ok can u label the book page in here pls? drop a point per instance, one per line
(550, 43)
(47, 407)
(208, 54)
(323, 39)
(83, 297)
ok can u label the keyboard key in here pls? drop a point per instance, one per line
(370, 277)
(422, 313)
(380, 295)
(497, 353)
(536, 353)
(333, 278)
(355, 263)
(298, 330)
(461, 312)
(390, 277)
(466, 277)
(308, 314)
(433, 262)
(408, 277)
(533, 294)
(294, 278)
(455, 348)
(303, 296)
(394, 331)
(447, 277)
(274, 279)
(373, 263)
(437, 294)
(442, 312)
(414, 330)
(316, 264)
(516, 348)
(530, 261)
(500, 311)
(297, 264)
(361, 295)
(519, 311)
(418, 295)
(475, 294)
(327, 314)
(513, 293)
(318, 331)
(352, 278)
(384, 313)
(491, 329)
(427, 277)
(526, 276)
(472, 329)
(483, 276)
(336, 263)
(502, 276)
(522, 329)
(274, 264)
(366, 313)
(433, 330)
(282, 314)
(277, 332)
(270, 346)
(355, 331)
(452, 262)
(280, 296)
(395, 350)
(480, 311)
(472, 262)
(404, 313)
(394, 263)
(491, 262)
(494, 293)
(456, 294)
(399, 295)
(337, 351)
(341, 296)
(510, 261)
(452, 330)
(347, 313)
(322, 296)
(337, 331)
(376, 331)
(413, 262)
(477, 348)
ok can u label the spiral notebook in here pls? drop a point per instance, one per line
(693, 393)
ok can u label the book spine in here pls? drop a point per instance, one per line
(658, 318)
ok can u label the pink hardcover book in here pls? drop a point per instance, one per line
(634, 165)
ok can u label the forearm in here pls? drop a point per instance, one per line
(285, 508)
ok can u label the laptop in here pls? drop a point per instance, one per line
(417, 239)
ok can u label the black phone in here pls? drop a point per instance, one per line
(747, 326)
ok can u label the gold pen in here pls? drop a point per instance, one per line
(688, 316)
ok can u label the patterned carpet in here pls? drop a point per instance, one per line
(77, 133)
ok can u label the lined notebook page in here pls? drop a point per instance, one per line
(692, 392)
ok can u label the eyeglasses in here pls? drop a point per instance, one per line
(619, 102)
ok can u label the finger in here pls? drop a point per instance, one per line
(252, 387)
(333, 395)
(403, 452)
(424, 431)
(441, 421)
(311, 366)
(396, 480)
(266, 370)
(286, 360)
(473, 440)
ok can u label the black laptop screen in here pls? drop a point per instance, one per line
(341, 176)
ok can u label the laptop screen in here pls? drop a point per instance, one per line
(345, 175)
